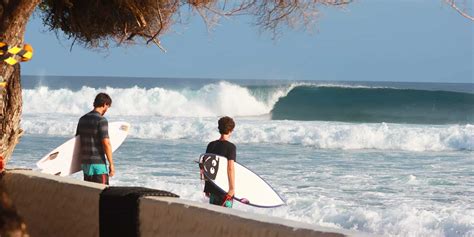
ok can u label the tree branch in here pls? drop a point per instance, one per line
(452, 3)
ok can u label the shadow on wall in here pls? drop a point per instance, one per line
(11, 224)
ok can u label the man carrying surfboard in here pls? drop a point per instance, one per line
(93, 131)
(223, 147)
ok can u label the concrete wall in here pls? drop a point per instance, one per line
(54, 206)
(59, 206)
(178, 217)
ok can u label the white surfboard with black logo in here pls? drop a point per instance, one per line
(250, 188)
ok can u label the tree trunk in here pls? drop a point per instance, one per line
(14, 15)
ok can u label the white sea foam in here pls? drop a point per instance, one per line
(216, 99)
(321, 135)
(159, 113)
(404, 220)
(220, 98)
(340, 85)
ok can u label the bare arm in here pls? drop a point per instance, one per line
(108, 153)
(231, 177)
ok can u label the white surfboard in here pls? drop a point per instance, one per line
(64, 160)
(250, 188)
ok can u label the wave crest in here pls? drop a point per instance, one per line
(215, 99)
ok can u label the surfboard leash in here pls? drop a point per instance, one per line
(15, 54)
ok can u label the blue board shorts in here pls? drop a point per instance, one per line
(97, 173)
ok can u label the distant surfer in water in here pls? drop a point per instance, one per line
(223, 147)
(93, 129)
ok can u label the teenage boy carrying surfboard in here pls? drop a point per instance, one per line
(223, 147)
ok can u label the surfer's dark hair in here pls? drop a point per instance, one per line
(226, 125)
(102, 99)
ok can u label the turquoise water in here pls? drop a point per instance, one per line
(375, 105)
(405, 178)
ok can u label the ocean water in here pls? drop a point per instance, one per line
(391, 159)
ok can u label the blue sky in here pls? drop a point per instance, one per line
(372, 40)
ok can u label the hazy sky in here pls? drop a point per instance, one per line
(371, 40)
